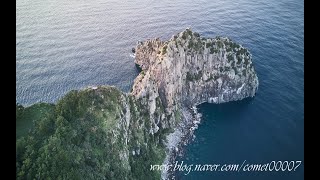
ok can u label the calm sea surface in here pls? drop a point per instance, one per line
(71, 44)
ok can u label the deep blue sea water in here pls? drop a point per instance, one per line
(71, 44)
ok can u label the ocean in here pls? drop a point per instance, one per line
(71, 44)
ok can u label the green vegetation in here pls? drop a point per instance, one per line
(26, 117)
(196, 34)
(159, 104)
(208, 44)
(219, 44)
(244, 72)
(210, 78)
(246, 61)
(190, 45)
(230, 57)
(195, 45)
(189, 76)
(213, 50)
(164, 49)
(189, 32)
(233, 64)
(234, 45)
(193, 77)
(243, 51)
(177, 116)
(154, 152)
(186, 33)
(83, 137)
(184, 36)
(235, 70)
(214, 45)
(239, 60)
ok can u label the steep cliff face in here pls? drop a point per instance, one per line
(189, 70)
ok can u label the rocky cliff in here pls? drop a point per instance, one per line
(103, 133)
(188, 70)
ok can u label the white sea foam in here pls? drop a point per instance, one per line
(132, 55)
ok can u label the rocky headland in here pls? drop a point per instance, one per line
(103, 133)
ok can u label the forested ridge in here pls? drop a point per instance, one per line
(85, 136)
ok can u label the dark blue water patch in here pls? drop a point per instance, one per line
(233, 132)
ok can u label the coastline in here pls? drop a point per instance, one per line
(178, 140)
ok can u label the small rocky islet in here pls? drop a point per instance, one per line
(103, 133)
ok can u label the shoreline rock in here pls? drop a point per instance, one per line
(183, 134)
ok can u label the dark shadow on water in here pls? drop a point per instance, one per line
(138, 68)
(241, 103)
(228, 110)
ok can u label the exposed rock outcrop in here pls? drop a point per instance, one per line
(188, 70)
